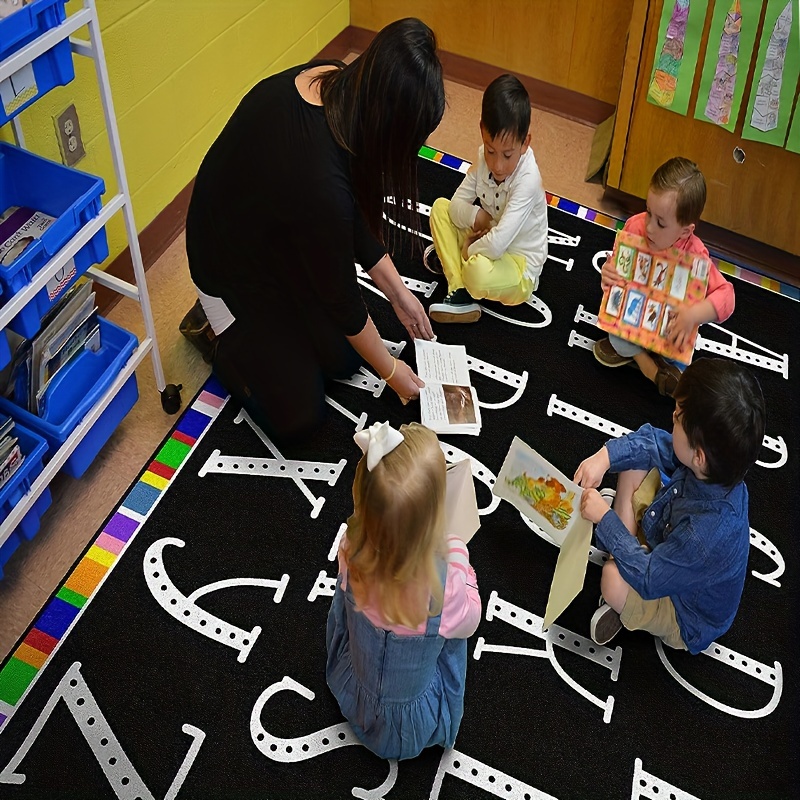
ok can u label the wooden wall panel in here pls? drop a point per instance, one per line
(574, 44)
(757, 199)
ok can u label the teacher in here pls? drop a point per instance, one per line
(288, 197)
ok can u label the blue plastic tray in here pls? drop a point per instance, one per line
(53, 68)
(73, 392)
(34, 448)
(73, 197)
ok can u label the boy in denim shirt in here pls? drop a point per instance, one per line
(679, 550)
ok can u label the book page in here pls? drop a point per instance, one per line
(442, 363)
(447, 408)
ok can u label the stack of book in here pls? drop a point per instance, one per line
(11, 456)
(19, 227)
(68, 329)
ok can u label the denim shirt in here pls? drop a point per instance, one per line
(699, 535)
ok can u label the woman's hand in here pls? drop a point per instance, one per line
(410, 312)
(591, 470)
(609, 276)
(405, 382)
(593, 507)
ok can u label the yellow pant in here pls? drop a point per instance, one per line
(503, 280)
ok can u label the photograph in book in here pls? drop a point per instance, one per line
(541, 492)
(656, 285)
(448, 403)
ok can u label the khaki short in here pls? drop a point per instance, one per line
(654, 616)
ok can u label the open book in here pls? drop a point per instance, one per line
(656, 285)
(448, 403)
(552, 501)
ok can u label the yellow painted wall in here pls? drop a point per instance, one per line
(177, 70)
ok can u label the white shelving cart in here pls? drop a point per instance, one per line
(13, 71)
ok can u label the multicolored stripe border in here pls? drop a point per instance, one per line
(64, 609)
(615, 224)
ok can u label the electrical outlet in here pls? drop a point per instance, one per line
(68, 133)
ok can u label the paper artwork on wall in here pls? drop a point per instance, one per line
(727, 60)
(776, 73)
(676, 54)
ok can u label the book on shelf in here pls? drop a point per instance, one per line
(68, 329)
(19, 228)
(11, 456)
(656, 284)
(448, 403)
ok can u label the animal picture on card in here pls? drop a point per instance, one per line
(615, 300)
(651, 313)
(680, 280)
(624, 262)
(634, 304)
(669, 312)
(642, 271)
(660, 274)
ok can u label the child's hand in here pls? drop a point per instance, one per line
(471, 236)
(681, 326)
(591, 470)
(609, 276)
(593, 507)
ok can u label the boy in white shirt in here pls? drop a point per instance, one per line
(494, 251)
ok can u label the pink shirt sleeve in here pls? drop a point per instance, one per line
(720, 290)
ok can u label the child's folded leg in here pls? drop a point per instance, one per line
(504, 280)
(448, 240)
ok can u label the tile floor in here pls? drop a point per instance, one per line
(80, 506)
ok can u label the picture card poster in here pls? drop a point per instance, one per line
(656, 285)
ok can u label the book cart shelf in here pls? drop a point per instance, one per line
(22, 62)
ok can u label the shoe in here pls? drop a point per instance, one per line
(197, 329)
(605, 624)
(458, 306)
(605, 353)
(430, 259)
(667, 377)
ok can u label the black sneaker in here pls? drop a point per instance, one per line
(430, 259)
(458, 306)
(605, 624)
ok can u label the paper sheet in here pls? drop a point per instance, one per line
(461, 505)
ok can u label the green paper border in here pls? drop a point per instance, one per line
(691, 48)
(791, 71)
(751, 16)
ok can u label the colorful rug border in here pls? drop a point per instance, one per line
(614, 223)
(64, 608)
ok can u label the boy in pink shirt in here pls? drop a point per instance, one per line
(675, 202)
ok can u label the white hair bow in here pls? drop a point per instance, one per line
(376, 441)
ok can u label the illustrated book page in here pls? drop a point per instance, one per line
(656, 285)
(547, 497)
(448, 403)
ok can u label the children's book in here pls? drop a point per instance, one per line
(552, 501)
(19, 228)
(448, 403)
(656, 285)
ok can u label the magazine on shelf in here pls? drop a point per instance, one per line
(448, 403)
(11, 456)
(19, 227)
(656, 285)
(552, 501)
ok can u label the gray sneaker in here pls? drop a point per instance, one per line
(458, 306)
(605, 624)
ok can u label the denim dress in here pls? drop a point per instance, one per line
(400, 694)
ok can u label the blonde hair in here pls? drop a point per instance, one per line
(683, 177)
(397, 529)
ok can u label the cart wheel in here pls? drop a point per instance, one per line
(171, 398)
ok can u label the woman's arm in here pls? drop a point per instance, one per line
(408, 309)
(398, 375)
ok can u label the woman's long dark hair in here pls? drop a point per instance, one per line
(381, 108)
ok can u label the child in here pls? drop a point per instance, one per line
(675, 202)
(679, 552)
(406, 600)
(495, 251)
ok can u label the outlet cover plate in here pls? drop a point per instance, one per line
(68, 133)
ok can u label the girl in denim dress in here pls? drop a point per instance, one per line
(406, 600)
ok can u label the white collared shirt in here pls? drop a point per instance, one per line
(518, 208)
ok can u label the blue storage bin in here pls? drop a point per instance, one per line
(73, 198)
(5, 350)
(34, 448)
(73, 392)
(53, 68)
